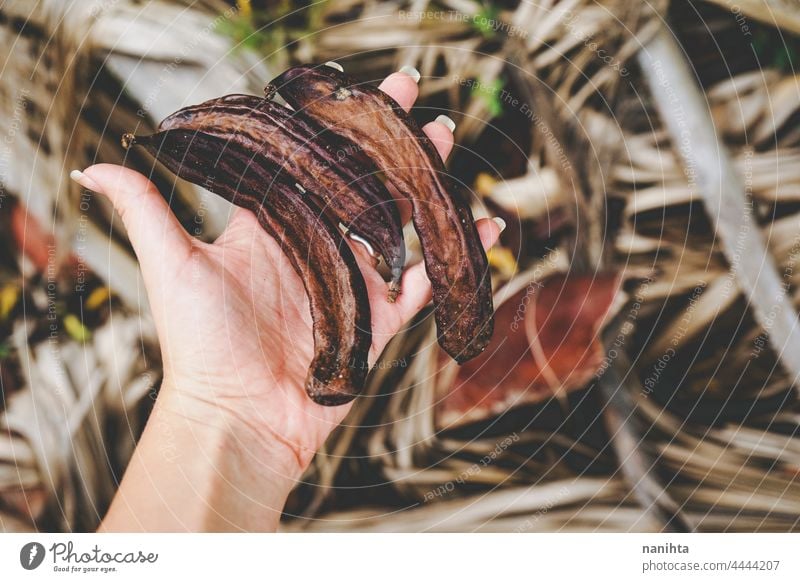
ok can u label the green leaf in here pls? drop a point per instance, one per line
(485, 20)
(490, 94)
(256, 29)
(775, 51)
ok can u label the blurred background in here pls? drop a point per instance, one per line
(646, 158)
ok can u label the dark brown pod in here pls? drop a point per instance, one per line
(314, 246)
(332, 167)
(454, 257)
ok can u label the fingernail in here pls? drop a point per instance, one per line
(500, 223)
(447, 122)
(365, 243)
(84, 180)
(335, 65)
(411, 72)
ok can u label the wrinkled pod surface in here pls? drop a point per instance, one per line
(454, 257)
(330, 166)
(316, 249)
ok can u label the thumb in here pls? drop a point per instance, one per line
(160, 242)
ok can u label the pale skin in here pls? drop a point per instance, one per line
(232, 429)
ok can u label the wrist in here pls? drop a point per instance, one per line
(229, 423)
(200, 467)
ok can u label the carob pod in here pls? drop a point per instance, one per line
(314, 246)
(454, 257)
(332, 167)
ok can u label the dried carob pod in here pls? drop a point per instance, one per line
(454, 257)
(300, 151)
(243, 174)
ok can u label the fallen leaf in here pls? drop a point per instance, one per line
(546, 342)
(31, 238)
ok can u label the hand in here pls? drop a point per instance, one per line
(235, 329)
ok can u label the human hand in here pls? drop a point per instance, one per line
(233, 320)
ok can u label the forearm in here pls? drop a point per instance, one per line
(198, 469)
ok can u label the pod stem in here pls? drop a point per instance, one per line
(128, 139)
(394, 290)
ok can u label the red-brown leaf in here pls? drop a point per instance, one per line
(546, 340)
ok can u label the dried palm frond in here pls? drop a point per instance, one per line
(80, 75)
(688, 302)
(778, 13)
(584, 504)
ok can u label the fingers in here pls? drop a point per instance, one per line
(402, 86)
(159, 240)
(440, 133)
(416, 286)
